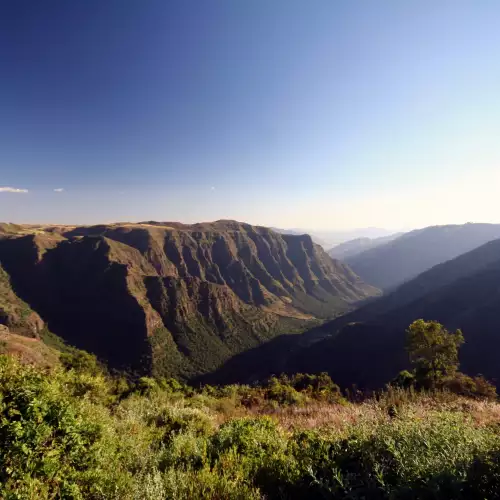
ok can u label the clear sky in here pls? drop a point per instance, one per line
(322, 114)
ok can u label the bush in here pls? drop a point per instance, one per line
(52, 443)
(81, 361)
(299, 389)
(283, 394)
(253, 438)
(174, 420)
(404, 379)
(474, 387)
(206, 484)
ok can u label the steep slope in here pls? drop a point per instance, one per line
(462, 293)
(393, 263)
(27, 349)
(15, 314)
(354, 247)
(174, 299)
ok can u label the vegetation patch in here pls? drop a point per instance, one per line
(72, 431)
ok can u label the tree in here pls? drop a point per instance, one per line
(433, 351)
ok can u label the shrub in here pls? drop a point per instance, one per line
(52, 444)
(146, 385)
(250, 437)
(81, 361)
(404, 379)
(206, 484)
(283, 394)
(483, 477)
(476, 387)
(175, 420)
(174, 386)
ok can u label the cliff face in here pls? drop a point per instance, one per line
(174, 299)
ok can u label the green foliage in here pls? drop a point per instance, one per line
(320, 387)
(283, 393)
(146, 385)
(175, 386)
(174, 420)
(404, 379)
(81, 361)
(256, 438)
(53, 443)
(397, 459)
(473, 387)
(433, 351)
(77, 433)
(300, 388)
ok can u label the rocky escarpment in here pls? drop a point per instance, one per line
(174, 299)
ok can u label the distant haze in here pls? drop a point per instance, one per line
(333, 237)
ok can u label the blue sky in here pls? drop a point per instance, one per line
(324, 114)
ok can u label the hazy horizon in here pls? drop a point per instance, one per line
(330, 116)
(318, 231)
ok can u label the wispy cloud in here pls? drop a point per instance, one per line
(212, 188)
(7, 189)
(59, 190)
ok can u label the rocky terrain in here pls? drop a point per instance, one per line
(168, 298)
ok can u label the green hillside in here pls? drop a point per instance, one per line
(171, 299)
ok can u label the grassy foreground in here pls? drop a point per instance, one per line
(77, 433)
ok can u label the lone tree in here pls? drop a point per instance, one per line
(433, 351)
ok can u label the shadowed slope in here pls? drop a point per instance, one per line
(393, 263)
(175, 299)
(462, 293)
(15, 314)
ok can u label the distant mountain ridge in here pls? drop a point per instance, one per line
(461, 293)
(391, 264)
(356, 246)
(336, 237)
(174, 299)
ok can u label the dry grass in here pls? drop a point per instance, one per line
(323, 415)
(338, 417)
(28, 350)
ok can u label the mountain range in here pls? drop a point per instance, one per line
(330, 238)
(230, 302)
(358, 245)
(366, 347)
(389, 265)
(167, 298)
